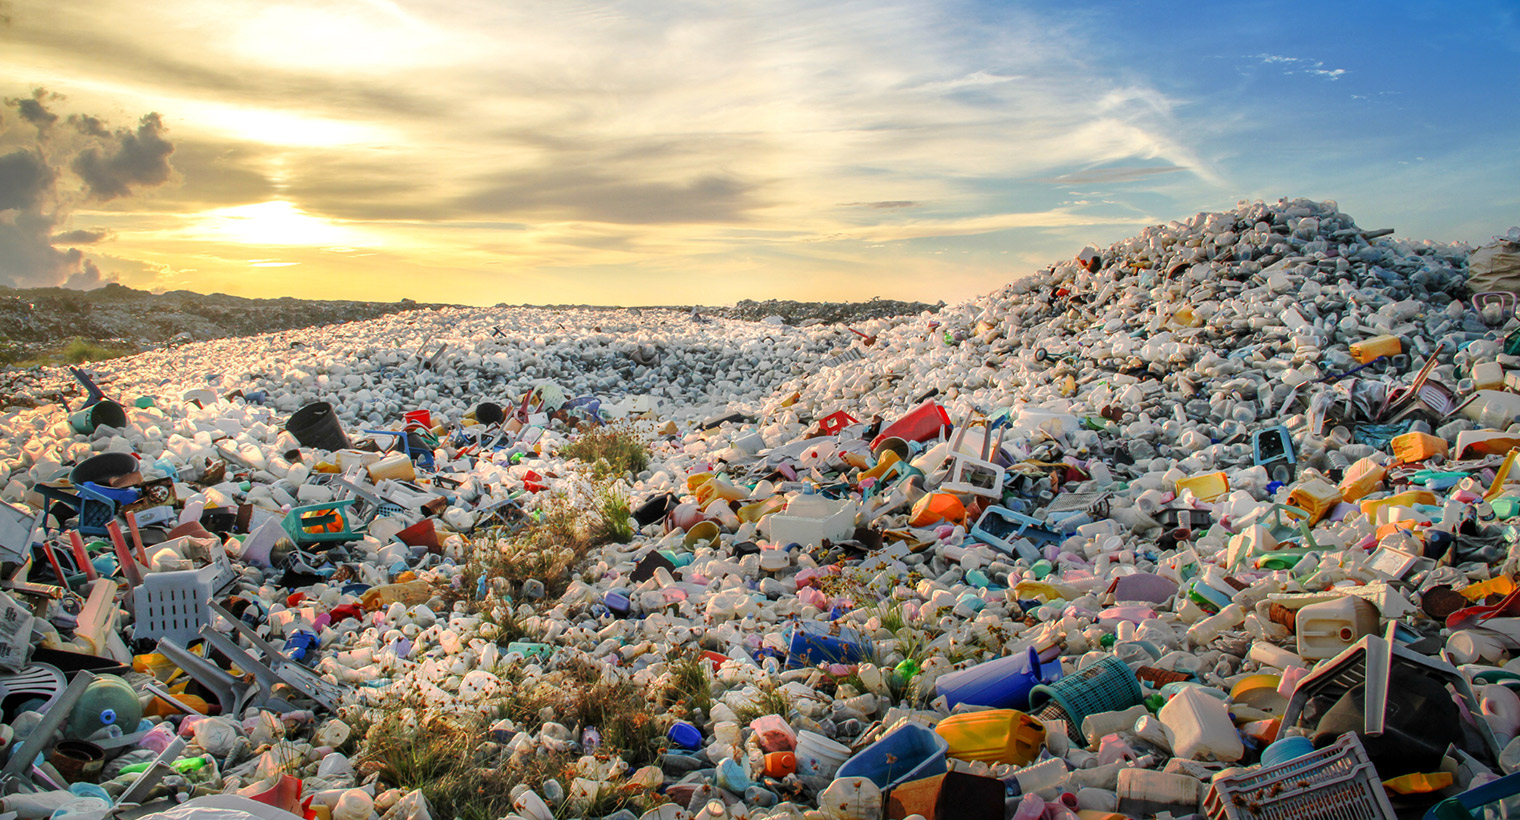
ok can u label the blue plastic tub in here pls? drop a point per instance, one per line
(913, 751)
(1004, 683)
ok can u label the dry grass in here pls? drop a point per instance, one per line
(690, 687)
(449, 756)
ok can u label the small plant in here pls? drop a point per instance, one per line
(690, 685)
(614, 520)
(612, 451)
(770, 701)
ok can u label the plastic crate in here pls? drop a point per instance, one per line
(1337, 782)
(1106, 686)
(95, 512)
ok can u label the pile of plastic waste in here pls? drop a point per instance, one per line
(1218, 521)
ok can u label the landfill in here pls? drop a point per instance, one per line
(1219, 521)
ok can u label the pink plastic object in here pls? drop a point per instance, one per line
(925, 422)
(773, 733)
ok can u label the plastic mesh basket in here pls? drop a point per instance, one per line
(1337, 782)
(95, 512)
(1106, 686)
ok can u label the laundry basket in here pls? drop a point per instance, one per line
(1106, 686)
(1337, 782)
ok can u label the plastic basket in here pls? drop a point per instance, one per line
(173, 604)
(319, 523)
(1106, 686)
(1337, 782)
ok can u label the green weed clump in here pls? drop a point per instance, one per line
(612, 451)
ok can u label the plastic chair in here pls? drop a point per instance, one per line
(1002, 528)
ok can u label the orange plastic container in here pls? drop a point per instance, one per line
(780, 764)
(1408, 498)
(993, 736)
(936, 507)
(1412, 447)
(1375, 348)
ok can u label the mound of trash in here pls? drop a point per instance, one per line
(1217, 521)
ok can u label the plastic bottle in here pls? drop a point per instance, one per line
(1205, 631)
(1031, 807)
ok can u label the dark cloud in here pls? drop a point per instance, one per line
(81, 237)
(33, 110)
(885, 204)
(37, 196)
(595, 196)
(140, 158)
(89, 126)
(26, 180)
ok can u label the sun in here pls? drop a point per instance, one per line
(276, 222)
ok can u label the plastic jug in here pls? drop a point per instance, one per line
(909, 752)
(994, 736)
(1144, 793)
(815, 643)
(107, 701)
(1316, 497)
(1369, 350)
(851, 798)
(1000, 684)
(1201, 727)
(1412, 447)
(1327, 628)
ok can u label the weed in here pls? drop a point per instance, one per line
(769, 701)
(690, 685)
(612, 451)
(614, 521)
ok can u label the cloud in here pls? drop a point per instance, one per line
(38, 194)
(1301, 65)
(140, 158)
(1108, 176)
(81, 237)
(884, 205)
(32, 109)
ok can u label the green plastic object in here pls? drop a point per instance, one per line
(107, 701)
(1505, 507)
(185, 766)
(1042, 569)
(907, 670)
(1281, 559)
(143, 402)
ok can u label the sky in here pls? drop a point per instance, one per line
(556, 151)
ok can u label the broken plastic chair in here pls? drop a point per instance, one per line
(15, 773)
(276, 668)
(150, 777)
(1003, 529)
(173, 604)
(231, 694)
(37, 680)
(1374, 663)
(1503, 300)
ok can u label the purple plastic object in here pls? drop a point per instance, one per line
(1143, 587)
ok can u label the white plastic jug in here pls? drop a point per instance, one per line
(1201, 727)
(1326, 629)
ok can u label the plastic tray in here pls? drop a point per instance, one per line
(1337, 782)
